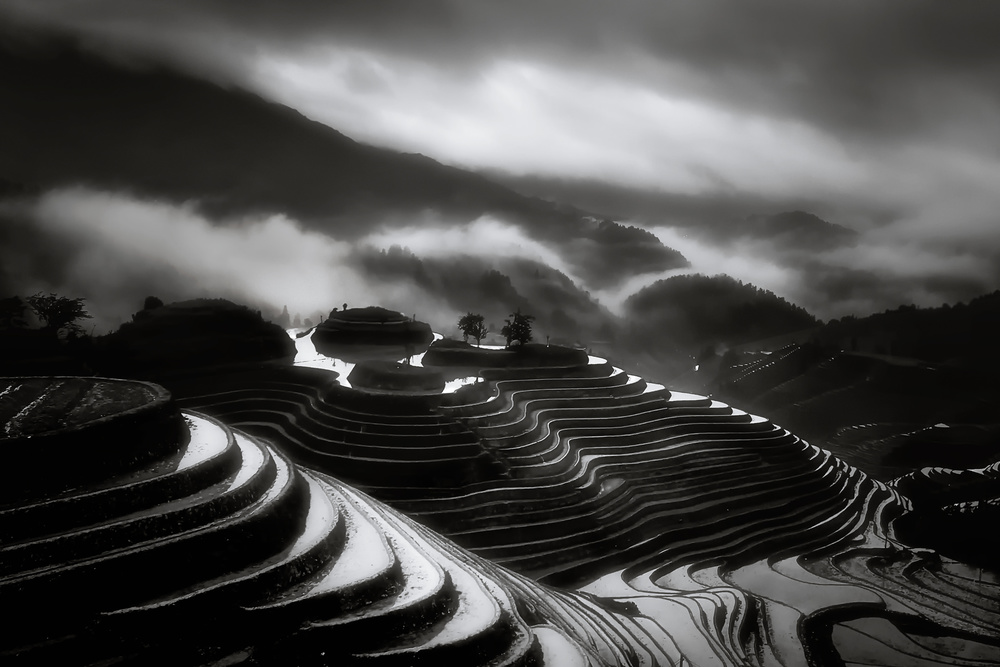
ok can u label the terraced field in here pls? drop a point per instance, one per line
(876, 412)
(568, 515)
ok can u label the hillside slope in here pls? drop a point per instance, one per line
(696, 311)
(69, 117)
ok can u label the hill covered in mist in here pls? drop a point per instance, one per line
(165, 184)
(697, 311)
(72, 119)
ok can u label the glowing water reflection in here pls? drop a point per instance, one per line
(306, 355)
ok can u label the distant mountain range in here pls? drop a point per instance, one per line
(70, 118)
(798, 229)
(718, 216)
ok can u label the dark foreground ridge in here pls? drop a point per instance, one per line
(686, 532)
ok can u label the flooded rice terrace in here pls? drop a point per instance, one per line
(307, 355)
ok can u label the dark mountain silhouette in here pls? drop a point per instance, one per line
(962, 334)
(495, 288)
(617, 200)
(627, 250)
(697, 311)
(798, 229)
(70, 118)
(190, 337)
(719, 216)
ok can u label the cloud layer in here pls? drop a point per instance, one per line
(864, 103)
(883, 114)
(115, 250)
(486, 237)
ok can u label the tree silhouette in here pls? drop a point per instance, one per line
(59, 312)
(152, 303)
(517, 328)
(472, 324)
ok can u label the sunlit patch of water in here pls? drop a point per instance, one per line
(684, 396)
(207, 440)
(452, 386)
(308, 356)
(418, 359)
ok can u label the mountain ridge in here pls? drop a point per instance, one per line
(197, 131)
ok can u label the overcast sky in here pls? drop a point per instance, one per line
(886, 110)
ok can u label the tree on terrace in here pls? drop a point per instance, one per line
(472, 324)
(59, 312)
(517, 328)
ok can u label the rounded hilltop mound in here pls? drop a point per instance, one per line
(192, 336)
(372, 325)
(447, 353)
(369, 315)
(78, 428)
(37, 406)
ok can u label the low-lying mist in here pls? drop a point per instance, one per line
(486, 237)
(114, 250)
(876, 272)
(708, 259)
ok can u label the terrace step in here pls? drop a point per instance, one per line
(239, 529)
(426, 594)
(366, 569)
(484, 626)
(578, 615)
(537, 426)
(879, 641)
(314, 388)
(318, 538)
(142, 523)
(440, 469)
(209, 455)
(507, 394)
(558, 649)
(518, 646)
(63, 418)
(475, 616)
(346, 440)
(636, 411)
(329, 415)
